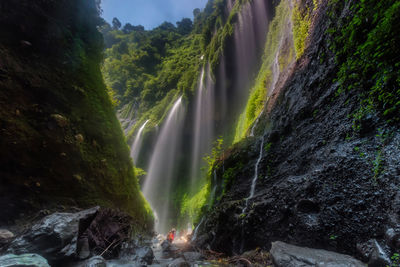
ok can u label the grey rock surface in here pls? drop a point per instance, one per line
(286, 255)
(192, 256)
(28, 260)
(179, 262)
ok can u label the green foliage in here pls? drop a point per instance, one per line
(139, 172)
(301, 25)
(395, 260)
(151, 68)
(333, 237)
(377, 164)
(191, 206)
(366, 51)
(267, 147)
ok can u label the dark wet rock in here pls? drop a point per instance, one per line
(132, 251)
(317, 185)
(165, 245)
(392, 238)
(54, 237)
(108, 229)
(378, 257)
(202, 240)
(192, 256)
(145, 254)
(364, 250)
(83, 249)
(179, 262)
(285, 255)
(28, 260)
(97, 261)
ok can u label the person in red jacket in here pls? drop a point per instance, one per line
(171, 235)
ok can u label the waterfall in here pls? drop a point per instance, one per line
(203, 128)
(230, 5)
(277, 73)
(137, 143)
(255, 177)
(249, 38)
(245, 46)
(157, 185)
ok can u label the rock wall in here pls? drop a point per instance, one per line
(320, 183)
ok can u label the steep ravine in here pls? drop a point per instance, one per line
(61, 145)
(321, 183)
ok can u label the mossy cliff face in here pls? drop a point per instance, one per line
(60, 142)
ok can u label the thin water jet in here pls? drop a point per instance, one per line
(137, 143)
(196, 230)
(255, 177)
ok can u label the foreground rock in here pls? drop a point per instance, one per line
(5, 236)
(28, 260)
(54, 237)
(285, 255)
(192, 256)
(179, 262)
(71, 238)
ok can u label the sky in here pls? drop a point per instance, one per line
(149, 13)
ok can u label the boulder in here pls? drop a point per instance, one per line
(97, 261)
(54, 237)
(28, 260)
(179, 262)
(145, 254)
(131, 251)
(5, 236)
(192, 256)
(60, 120)
(166, 246)
(286, 255)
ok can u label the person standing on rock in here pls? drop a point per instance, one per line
(171, 235)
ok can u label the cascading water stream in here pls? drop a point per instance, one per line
(203, 131)
(137, 143)
(255, 178)
(196, 230)
(252, 190)
(157, 185)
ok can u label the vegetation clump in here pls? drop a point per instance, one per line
(366, 51)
